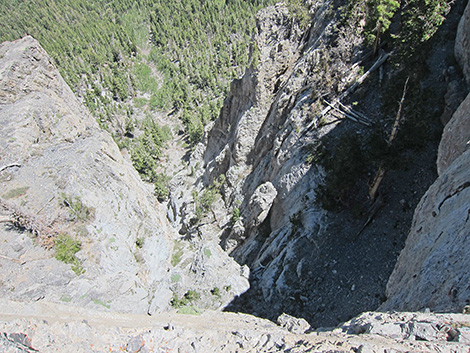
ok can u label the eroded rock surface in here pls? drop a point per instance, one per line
(66, 173)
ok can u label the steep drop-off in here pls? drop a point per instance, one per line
(253, 189)
(262, 161)
(432, 270)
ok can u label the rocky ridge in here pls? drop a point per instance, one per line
(48, 327)
(67, 176)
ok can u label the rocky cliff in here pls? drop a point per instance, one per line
(432, 270)
(62, 176)
(250, 190)
(261, 160)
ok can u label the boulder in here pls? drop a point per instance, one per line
(293, 324)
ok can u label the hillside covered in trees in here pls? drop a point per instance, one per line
(128, 60)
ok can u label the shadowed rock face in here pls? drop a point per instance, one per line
(63, 154)
(432, 270)
(462, 44)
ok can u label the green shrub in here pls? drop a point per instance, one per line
(344, 166)
(65, 249)
(235, 214)
(216, 292)
(188, 298)
(161, 183)
(76, 207)
(139, 242)
(205, 201)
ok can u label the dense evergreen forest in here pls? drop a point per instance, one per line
(127, 56)
(112, 45)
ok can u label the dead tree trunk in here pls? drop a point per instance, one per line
(374, 188)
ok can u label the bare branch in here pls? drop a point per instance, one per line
(9, 166)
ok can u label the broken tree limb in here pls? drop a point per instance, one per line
(340, 111)
(398, 119)
(9, 166)
(349, 113)
(356, 114)
(374, 188)
(376, 206)
(52, 198)
(382, 58)
(12, 259)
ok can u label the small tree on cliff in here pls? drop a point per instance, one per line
(382, 12)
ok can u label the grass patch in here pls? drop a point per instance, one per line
(175, 278)
(15, 193)
(208, 253)
(65, 298)
(102, 303)
(177, 253)
(190, 310)
(140, 102)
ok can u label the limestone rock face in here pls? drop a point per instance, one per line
(432, 270)
(462, 44)
(427, 327)
(66, 164)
